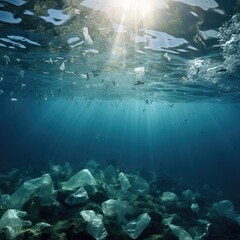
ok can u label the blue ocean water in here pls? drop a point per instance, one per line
(142, 85)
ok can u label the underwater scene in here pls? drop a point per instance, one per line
(119, 120)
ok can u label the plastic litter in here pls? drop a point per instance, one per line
(137, 226)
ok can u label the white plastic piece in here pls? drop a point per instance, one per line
(166, 56)
(86, 36)
(62, 66)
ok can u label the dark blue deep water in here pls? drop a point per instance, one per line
(141, 85)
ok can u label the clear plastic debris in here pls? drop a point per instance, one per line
(11, 223)
(95, 226)
(124, 182)
(62, 66)
(139, 75)
(169, 197)
(42, 225)
(6, 59)
(140, 186)
(166, 56)
(195, 207)
(80, 179)
(77, 197)
(97, 229)
(109, 207)
(180, 233)
(41, 187)
(225, 208)
(137, 226)
(86, 36)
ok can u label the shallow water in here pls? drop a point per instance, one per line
(144, 87)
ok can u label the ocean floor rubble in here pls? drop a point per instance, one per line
(104, 202)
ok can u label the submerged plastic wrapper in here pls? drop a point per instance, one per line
(225, 208)
(169, 197)
(117, 208)
(180, 233)
(41, 187)
(137, 226)
(95, 226)
(80, 196)
(11, 223)
(140, 186)
(80, 179)
(124, 182)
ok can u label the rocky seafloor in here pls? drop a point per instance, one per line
(105, 202)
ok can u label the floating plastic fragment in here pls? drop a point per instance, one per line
(124, 182)
(180, 233)
(78, 197)
(14, 99)
(86, 36)
(11, 223)
(21, 73)
(62, 66)
(1, 92)
(23, 86)
(166, 56)
(1, 79)
(80, 179)
(137, 226)
(41, 187)
(6, 59)
(139, 72)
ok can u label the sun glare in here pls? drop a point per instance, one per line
(139, 7)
